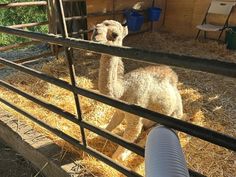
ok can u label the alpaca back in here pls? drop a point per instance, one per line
(155, 88)
(161, 73)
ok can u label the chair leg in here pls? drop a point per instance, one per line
(205, 35)
(198, 33)
(220, 35)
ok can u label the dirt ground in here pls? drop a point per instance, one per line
(13, 164)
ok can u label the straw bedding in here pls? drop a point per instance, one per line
(209, 100)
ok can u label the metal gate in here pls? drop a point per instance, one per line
(194, 63)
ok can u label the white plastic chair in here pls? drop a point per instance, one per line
(217, 7)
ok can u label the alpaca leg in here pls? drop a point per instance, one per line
(115, 120)
(142, 141)
(131, 133)
(178, 113)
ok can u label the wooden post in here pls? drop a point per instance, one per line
(52, 24)
(113, 9)
(75, 9)
(152, 23)
(18, 45)
(22, 4)
(26, 25)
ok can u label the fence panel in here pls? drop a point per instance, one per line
(199, 64)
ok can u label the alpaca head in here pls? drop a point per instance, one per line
(109, 32)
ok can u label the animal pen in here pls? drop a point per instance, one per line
(72, 23)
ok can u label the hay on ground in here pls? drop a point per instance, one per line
(209, 101)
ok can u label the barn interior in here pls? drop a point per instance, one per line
(209, 100)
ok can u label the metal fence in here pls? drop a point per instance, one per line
(205, 65)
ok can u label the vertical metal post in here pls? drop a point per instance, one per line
(83, 5)
(68, 52)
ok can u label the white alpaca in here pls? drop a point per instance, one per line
(153, 87)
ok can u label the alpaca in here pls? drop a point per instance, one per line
(153, 87)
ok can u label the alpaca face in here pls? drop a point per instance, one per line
(109, 32)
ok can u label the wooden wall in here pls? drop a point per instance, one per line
(182, 16)
(178, 16)
(104, 6)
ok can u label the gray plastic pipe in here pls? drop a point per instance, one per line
(163, 154)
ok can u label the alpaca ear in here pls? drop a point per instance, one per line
(125, 31)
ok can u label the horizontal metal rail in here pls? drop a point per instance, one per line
(188, 62)
(23, 4)
(74, 142)
(191, 129)
(72, 118)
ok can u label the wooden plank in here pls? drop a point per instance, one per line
(98, 6)
(73, 0)
(52, 17)
(129, 4)
(52, 25)
(104, 6)
(26, 25)
(18, 45)
(160, 4)
(182, 16)
(30, 59)
(23, 4)
(31, 145)
(178, 16)
(51, 159)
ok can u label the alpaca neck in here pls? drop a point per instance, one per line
(111, 74)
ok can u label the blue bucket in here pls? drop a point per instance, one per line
(134, 20)
(154, 14)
